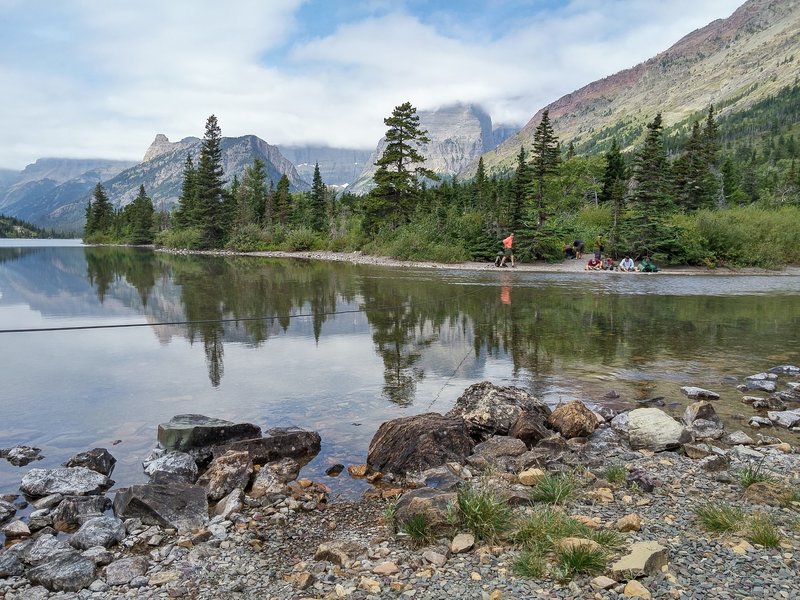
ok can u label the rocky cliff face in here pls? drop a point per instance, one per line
(53, 193)
(338, 167)
(731, 63)
(458, 136)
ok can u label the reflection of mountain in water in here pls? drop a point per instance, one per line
(419, 324)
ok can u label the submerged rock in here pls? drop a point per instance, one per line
(19, 456)
(698, 392)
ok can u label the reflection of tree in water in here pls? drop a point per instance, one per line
(105, 266)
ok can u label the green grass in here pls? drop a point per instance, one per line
(540, 530)
(615, 473)
(761, 530)
(720, 518)
(754, 474)
(789, 500)
(418, 529)
(390, 514)
(555, 488)
(579, 560)
(482, 512)
(530, 564)
(608, 538)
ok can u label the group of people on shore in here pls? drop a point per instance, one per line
(598, 263)
(575, 250)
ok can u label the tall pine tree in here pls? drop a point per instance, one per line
(209, 187)
(318, 198)
(545, 159)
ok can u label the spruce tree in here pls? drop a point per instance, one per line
(318, 200)
(520, 184)
(649, 202)
(141, 218)
(282, 201)
(102, 211)
(614, 171)
(545, 159)
(186, 213)
(254, 188)
(209, 187)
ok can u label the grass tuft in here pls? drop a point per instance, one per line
(482, 512)
(555, 488)
(530, 564)
(580, 560)
(615, 474)
(761, 530)
(720, 518)
(418, 529)
(754, 474)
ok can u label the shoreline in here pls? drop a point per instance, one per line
(564, 266)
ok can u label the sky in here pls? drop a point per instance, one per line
(99, 79)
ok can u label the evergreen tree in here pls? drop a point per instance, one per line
(520, 185)
(649, 202)
(209, 187)
(186, 212)
(400, 169)
(88, 227)
(318, 202)
(710, 138)
(545, 160)
(102, 212)
(695, 184)
(254, 189)
(282, 201)
(140, 219)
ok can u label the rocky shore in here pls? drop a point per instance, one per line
(450, 514)
(564, 266)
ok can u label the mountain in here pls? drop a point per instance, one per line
(38, 193)
(338, 167)
(58, 197)
(459, 135)
(731, 63)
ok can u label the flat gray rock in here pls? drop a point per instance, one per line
(69, 481)
(698, 392)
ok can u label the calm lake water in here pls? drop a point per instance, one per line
(340, 348)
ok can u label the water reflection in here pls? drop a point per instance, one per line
(332, 345)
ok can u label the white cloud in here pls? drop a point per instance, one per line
(95, 80)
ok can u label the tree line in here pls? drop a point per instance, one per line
(682, 197)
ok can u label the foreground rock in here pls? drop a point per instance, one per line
(73, 481)
(418, 443)
(493, 410)
(654, 429)
(180, 507)
(198, 435)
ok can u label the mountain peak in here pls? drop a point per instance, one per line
(160, 145)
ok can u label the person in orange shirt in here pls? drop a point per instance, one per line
(508, 250)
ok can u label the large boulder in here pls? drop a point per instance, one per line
(96, 459)
(654, 429)
(419, 442)
(573, 419)
(74, 511)
(176, 506)
(490, 410)
(277, 443)
(69, 481)
(172, 467)
(67, 572)
(785, 418)
(198, 434)
(229, 472)
(100, 531)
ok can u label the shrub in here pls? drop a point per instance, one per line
(247, 239)
(615, 473)
(189, 238)
(303, 238)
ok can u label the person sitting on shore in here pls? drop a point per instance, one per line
(647, 266)
(626, 264)
(594, 264)
(609, 264)
(569, 251)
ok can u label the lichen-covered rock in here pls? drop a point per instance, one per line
(172, 466)
(419, 442)
(67, 572)
(493, 410)
(69, 481)
(180, 507)
(230, 471)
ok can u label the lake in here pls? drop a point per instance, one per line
(106, 343)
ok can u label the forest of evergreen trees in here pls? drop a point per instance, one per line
(710, 192)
